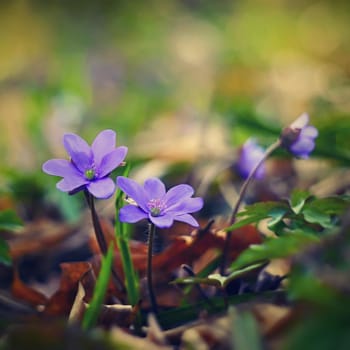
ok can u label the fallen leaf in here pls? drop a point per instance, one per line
(24, 293)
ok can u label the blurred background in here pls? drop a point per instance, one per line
(183, 82)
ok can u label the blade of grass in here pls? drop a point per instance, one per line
(131, 278)
(92, 313)
(122, 238)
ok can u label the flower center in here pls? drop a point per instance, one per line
(90, 174)
(156, 206)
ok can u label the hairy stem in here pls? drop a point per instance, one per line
(152, 296)
(241, 195)
(101, 238)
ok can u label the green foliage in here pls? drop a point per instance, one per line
(320, 280)
(122, 238)
(26, 188)
(254, 213)
(218, 280)
(91, 314)
(245, 331)
(9, 220)
(5, 257)
(303, 211)
(323, 330)
(274, 248)
(297, 200)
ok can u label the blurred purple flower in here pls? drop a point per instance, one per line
(89, 167)
(250, 155)
(152, 202)
(299, 137)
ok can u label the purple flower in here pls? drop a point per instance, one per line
(152, 202)
(88, 167)
(299, 137)
(250, 155)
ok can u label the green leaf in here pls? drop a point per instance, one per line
(212, 265)
(5, 257)
(297, 200)
(273, 248)
(303, 285)
(245, 331)
(329, 205)
(276, 214)
(315, 216)
(9, 220)
(256, 212)
(91, 314)
(322, 329)
(216, 279)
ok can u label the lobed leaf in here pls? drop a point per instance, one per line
(256, 212)
(297, 200)
(273, 248)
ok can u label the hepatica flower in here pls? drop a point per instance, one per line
(299, 137)
(89, 167)
(250, 155)
(161, 208)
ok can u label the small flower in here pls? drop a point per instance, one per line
(299, 137)
(89, 167)
(152, 202)
(250, 155)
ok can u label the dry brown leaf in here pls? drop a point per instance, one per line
(24, 293)
(78, 307)
(38, 237)
(61, 302)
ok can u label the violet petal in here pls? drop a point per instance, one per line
(71, 183)
(154, 188)
(131, 213)
(250, 154)
(82, 161)
(309, 131)
(303, 147)
(112, 160)
(162, 221)
(78, 150)
(102, 188)
(189, 205)
(188, 219)
(60, 167)
(133, 190)
(178, 193)
(103, 144)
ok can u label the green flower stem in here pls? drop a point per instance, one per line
(101, 238)
(152, 297)
(241, 195)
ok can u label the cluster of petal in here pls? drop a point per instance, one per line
(299, 137)
(250, 155)
(89, 167)
(154, 203)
